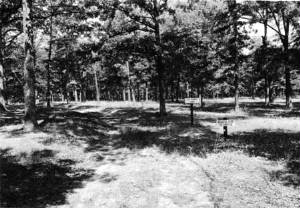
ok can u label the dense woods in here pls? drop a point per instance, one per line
(140, 50)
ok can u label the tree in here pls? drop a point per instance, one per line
(285, 15)
(260, 10)
(9, 19)
(48, 93)
(148, 14)
(285, 23)
(30, 121)
(232, 39)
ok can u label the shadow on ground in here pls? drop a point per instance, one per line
(144, 128)
(255, 109)
(139, 129)
(13, 116)
(41, 181)
(273, 145)
(35, 180)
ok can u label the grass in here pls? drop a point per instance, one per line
(121, 154)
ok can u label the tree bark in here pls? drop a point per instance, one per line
(96, 85)
(128, 94)
(2, 99)
(124, 94)
(233, 11)
(48, 96)
(167, 92)
(159, 62)
(271, 98)
(83, 95)
(172, 91)
(75, 95)
(263, 56)
(187, 90)
(146, 93)
(178, 89)
(30, 121)
(138, 92)
(133, 94)
(288, 87)
(252, 86)
(267, 90)
(286, 21)
(108, 95)
(202, 95)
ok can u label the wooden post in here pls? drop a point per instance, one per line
(225, 131)
(192, 114)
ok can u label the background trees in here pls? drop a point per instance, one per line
(9, 31)
(141, 50)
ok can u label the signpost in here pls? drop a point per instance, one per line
(192, 101)
(225, 122)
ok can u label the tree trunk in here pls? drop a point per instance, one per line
(124, 94)
(236, 92)
(202, 95)
(83, 95)
(199, 94)
(187, 90)
(96, 86)
(133, 94)
(138, 92)
(30, 121)
(271, 98)
(288, 87)
(172, 91)
(167, 92)
(162, 101)
(232, 8)
(146, 93)
(285, 42)
(108, 95)
(263, 55)
(178, 89)
(49, 62)
(2, 99)
(157, 92)
(159, 62)
(128, 94)
(75, 95)
(252, 86)
(267, 90)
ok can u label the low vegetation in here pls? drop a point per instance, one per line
(116, 154)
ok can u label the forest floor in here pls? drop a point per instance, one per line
(122, 155)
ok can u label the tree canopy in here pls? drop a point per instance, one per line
(137, 50)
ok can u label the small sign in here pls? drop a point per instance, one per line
(192, 100)
(224, 122)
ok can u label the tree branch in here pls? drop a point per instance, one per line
(10, 42)
(136, 18)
